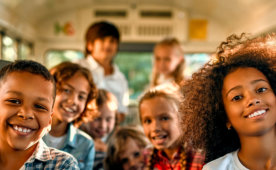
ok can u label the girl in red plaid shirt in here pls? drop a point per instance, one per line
(160, 118)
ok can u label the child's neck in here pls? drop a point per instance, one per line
(58, 128)
(107, 66)
(14, 159)
(170, 152)
(256, 152)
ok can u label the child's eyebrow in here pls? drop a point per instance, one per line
(21, 94)
(252, 82)
(83, 92)
(258, 80)
(14, 92)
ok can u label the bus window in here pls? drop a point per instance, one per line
(194, 61)
(136, 67)
(54, 57)
(25, 51)
(9, 47)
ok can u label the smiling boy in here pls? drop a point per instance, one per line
(27, 93)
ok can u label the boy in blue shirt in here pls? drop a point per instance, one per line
(27, 93)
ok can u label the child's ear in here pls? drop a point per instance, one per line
(228, 125)
(50, 123)
(89, 46)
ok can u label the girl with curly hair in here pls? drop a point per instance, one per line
(169, 62)
(229, 106)
(75, 87)
(159, 116)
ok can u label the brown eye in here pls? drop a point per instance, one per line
(261, 90)
(236, 98)
(38, 106)
(14, 101)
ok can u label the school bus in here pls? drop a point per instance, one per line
(52, 31)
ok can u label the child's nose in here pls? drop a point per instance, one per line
(253, 100)
(25, 114)
(73, 98)
(156, 126)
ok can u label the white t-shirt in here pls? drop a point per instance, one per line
(229, 161)
(115, 83)
(55, 142)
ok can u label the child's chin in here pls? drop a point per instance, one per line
(24, 145)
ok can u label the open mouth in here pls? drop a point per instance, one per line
(256, 114)
(159, 139)
(69, 109)
(21, 130)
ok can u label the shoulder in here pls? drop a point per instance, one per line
(83, 138)
(118, 73)
(225, 162)
(62, 160)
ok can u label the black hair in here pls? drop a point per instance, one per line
(30, 67)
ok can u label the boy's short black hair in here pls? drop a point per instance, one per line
(30, 67)
(100, 30)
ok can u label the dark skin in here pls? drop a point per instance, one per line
(14, 159)
(247, 91)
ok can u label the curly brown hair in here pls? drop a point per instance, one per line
(65, 71)
(203, 114)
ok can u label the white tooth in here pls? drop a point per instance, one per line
(20, 129)
(28, 130)
(24, 130)
(257, 113)
(15, 127)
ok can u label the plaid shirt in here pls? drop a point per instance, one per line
(50, 158)
(194, 161)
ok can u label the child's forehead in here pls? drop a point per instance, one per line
(25, 77)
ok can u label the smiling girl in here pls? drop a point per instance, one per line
(230, 105)
(169, 62)
(74, 87)
(160, 118)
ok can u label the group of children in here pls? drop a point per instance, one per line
(223, 117)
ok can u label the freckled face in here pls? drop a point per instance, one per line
(26, 102)
(71, 99)
(160, 122)
(249, 102)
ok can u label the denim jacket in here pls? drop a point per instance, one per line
(81, 146)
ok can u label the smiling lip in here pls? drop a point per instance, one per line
(69, 110)
(21, 129)
(159, 139)
(256, 114)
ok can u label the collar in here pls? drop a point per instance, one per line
(42, 153)
(94, 64)
(176, 155)
(71, 136)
